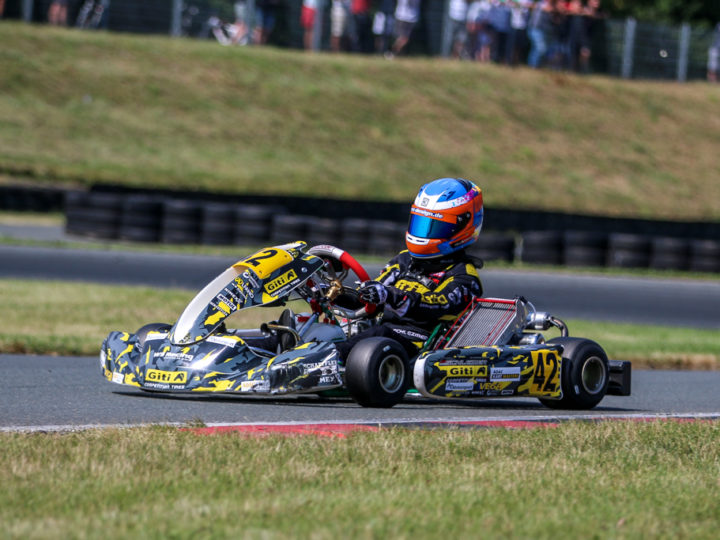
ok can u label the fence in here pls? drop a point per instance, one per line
(623, 48)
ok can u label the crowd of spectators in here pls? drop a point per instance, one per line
(537, 32)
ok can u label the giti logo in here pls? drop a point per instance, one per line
(276, 283)
(170, 377)
(465, 371)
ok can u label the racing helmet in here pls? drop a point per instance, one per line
(446, 216)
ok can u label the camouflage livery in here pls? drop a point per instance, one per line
(473, 372)
(221, 363)
(196, 356)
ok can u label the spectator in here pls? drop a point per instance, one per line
(457, 13)
(339, 13)
(384, 26)
(265, 18)
(713, 63)
(307, 21)
(240, 28)
(479, 34)
(500, 27)
(2, 8)
(517, 39)
(538, 27)
(57, 12)
(558, 35)
(361, 35)
(407, 14)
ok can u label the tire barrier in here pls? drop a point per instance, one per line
(96, 215)
(181, 222)
(541, 247)
(142, 218)
(323, 231)
(628, 251)
(494, 246)
(584, 248)
(288, 228)
(218, 224)
(386, 237)
(705, 256)
(354, 235)
(31, 198)
(253, 223)
(669, 253)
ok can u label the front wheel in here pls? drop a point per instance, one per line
(377, 372)
(585, 374)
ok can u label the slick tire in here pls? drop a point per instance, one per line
(143, 331)
(378, 372)
(585, 374)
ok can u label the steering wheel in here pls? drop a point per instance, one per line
(341, 261)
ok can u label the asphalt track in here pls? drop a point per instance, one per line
(669, 302)
(50, 393)
(61, 393)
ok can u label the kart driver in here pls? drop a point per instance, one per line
(434, 279)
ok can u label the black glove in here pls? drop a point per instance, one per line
(373, 292)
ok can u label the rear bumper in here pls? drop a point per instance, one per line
(620, 378)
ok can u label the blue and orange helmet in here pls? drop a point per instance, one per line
(446, 216)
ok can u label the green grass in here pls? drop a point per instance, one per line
(88, 107)
(68, 318)
(578, 480)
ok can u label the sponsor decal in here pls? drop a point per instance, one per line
(168, 377)
(117, 377)
(155, 336)
(508, 392)
(505, 374)
(468, 362)
(459, 386)
(330, 379)
(427, 213)
(490, 386)
(178, 356)
(220, 340)
(281, 281)
(425, 201)
(465, 371)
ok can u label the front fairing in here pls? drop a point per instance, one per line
(219, 363)
(261, 279)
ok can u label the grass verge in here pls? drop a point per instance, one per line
(578, 480)
(73, 318)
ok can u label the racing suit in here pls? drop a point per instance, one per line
(421, 293)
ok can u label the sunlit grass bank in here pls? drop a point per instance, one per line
(579, 480)
(56, 317)
(87, 107)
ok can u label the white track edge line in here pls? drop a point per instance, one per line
(365, 422)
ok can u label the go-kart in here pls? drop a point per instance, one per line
(495, 348)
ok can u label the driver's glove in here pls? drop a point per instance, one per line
(373, 292)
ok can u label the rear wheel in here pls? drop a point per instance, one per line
(585, 374)
(377, 372)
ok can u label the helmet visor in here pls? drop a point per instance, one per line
(432, 229)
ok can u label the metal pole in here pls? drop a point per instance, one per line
(628, 48)
(318, 26)
(684, 48)
(27, 10)
(175, 20)
(446, 37)
(250, 21)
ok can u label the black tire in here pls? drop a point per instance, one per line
(584, 248)
(541, 247)
(628, 250)
(669, 254)
(143, 331)
(378, 372)
(585, 374)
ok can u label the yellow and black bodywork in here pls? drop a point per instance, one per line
(473, 372)
(197, 354)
